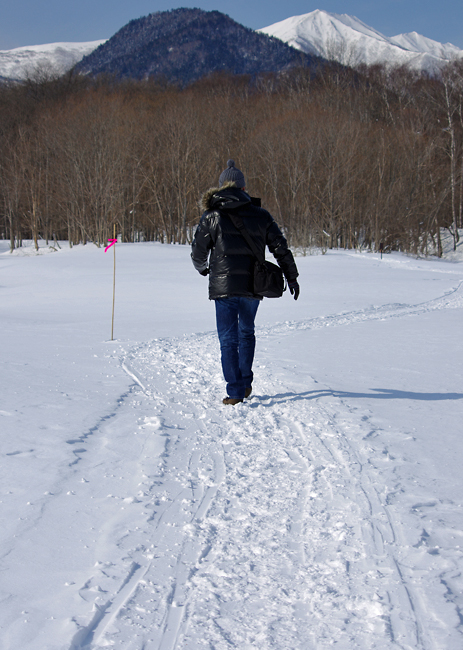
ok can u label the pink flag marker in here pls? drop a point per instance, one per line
(113, 241)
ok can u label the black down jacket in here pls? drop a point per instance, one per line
(219, 246)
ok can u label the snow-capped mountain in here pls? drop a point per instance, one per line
(331, 36)
(350, 41)
(59, 57)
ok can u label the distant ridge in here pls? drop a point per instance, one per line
(184, 45)
(59, 57)
(349, 41)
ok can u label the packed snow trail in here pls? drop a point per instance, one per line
(268, 524)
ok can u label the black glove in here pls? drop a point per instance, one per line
(205, 272)
(294, 288)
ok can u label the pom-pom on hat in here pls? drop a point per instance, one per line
(232, 175)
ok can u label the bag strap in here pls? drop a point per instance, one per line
(238, 223)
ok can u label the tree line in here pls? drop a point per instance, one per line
(341, 157)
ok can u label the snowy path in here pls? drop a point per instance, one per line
(267, 525)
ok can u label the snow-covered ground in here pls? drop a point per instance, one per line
(138, 512)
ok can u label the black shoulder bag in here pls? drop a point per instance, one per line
(269, 281)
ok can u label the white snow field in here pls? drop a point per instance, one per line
(139, 513)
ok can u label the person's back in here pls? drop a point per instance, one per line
(231, 262)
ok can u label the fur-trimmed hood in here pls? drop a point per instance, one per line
(228, 197)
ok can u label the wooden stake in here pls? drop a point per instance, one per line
(114, 283)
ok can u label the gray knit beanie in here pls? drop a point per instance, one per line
(232, 175)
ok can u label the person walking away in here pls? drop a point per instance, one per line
(220, 251)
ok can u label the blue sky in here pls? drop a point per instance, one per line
(33, 22)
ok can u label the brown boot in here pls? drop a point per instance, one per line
(248, 391)
(231, 400)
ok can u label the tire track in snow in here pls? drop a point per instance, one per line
(415, 599)
(89, 635)
(177, 500)
(375, 535)
(193, 552)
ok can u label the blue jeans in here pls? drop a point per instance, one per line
(235, 327)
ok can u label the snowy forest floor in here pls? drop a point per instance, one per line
(139, 513)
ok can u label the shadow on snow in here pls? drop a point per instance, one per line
(378, 393)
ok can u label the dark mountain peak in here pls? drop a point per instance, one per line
(184, 45)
